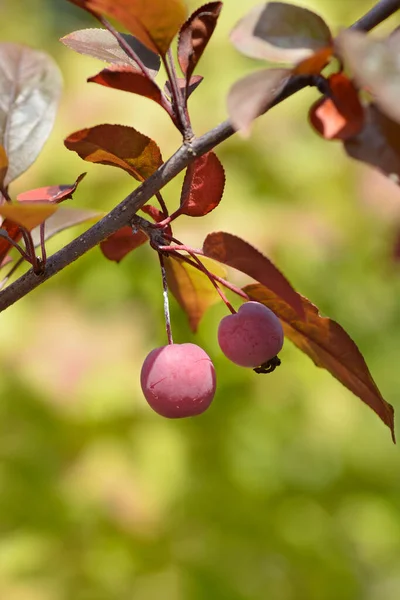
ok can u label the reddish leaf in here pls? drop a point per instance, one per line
(195, 34)
(6, 261)
(376, 66)
(191, 288)
(121, 243)
(65, 218)
(236, 253)
(3, 165)
(193, 84)
(153, 212)
(315, 63)
(117, 146)
(329, 346)
(14, 232)
(101, 44)
(28, 215)
(30, 86)
(51, 193)
(281, 32)
(341, 116)
(378, 144)
(128, 79)
(155, 23)
(203, 186)
(251, 96)
(62, 219)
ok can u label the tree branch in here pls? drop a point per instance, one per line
(187, 153)
(378, 13)
(118, 217)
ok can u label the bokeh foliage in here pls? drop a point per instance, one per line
(288, 487)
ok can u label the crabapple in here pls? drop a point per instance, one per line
(252, 336)
(178, 380)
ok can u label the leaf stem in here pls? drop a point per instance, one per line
(30, 249)
(129, 51)
(5, 194)
(43, 243)
(224, 282)
(198, 265)
(177, 97)
(166, 299)
(162, 204)
(196, 262)
(25, 256)
(11, 272)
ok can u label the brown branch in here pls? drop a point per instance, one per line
(378, 13)
(118, 217)
(187, 153)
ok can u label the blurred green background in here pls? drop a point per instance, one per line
(288, 488)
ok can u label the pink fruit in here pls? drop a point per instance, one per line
(252, 336)
(178, 380)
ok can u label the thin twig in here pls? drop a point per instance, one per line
(126, 47)
(176, 249)
(167, 313)
(11, 272)
(229, 286)
(162, 204)
(5, 194)
(43, 243)
(196, 263)
(30, 249)
(178, 102)
(4, 235)
(183, 95)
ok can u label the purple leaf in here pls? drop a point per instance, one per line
(195, 34)
(101, 44)
(281, 32)
(250, 97)
(376, 67)
(30, 87)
